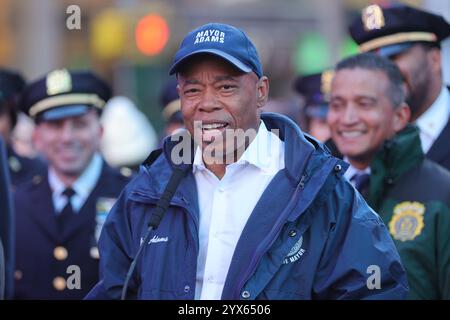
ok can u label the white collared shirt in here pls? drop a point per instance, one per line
(83, 186)
(352, 172)
(433, 121)
(226, 204)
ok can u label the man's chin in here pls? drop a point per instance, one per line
(70, 170)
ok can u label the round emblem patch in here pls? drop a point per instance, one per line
(407, 221)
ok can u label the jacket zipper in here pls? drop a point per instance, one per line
(274, 235)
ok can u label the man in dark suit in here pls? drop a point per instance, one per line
(59, 215)
(411, 38)
(6, 228)
(21, 169)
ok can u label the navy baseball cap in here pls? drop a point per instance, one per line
(62, 94)
(222, 40)
(394, 29)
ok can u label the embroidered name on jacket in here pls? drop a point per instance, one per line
(296, 252)
(211, 35)
(156, 239)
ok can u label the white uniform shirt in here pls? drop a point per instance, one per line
(433, 121)
(83, 186)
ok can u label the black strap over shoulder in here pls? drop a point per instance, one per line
(152, 157)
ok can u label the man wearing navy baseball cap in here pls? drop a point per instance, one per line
(411, 38)
(60, 213)
(260, 211)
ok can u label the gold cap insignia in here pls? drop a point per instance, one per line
(325, 83)
(407, 221)
(372, 17)
(58, 81)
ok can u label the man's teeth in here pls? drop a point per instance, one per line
(211, 126)
(351, 134)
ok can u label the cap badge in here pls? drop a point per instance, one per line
(58, 81)
(372, 17)
(325, 83)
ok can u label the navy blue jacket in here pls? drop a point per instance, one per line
(40, 255)
(310, 236)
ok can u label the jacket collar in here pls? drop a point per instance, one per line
(396, 156)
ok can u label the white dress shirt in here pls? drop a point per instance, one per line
(433, 121)
(83, 186)
(225, 206)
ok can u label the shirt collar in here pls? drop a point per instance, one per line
(352, 171)
(84, 184)
(432, 121)
(263, 152)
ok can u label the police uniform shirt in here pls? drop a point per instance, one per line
(83, 186)
(433, 121)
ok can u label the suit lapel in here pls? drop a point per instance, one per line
(42, 210)
(440, 150)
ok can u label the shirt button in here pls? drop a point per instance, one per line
(292, 233)
(59, 283)
(245, 294)
(94, 253)
(187, 288)
(221, 189)
(60, 253)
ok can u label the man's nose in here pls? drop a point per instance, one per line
(209, 101)
(67, 132)
(350, 115)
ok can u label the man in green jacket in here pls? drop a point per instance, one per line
(369, 125)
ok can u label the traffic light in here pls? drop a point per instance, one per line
(152, 34)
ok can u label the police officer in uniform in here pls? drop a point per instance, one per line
(315, 89)
(411, 38)
(21, 168)
(59, 214)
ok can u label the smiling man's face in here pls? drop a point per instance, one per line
(361, 115)
(217, 99)
(69, 143)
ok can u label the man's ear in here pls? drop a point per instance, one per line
(262, 91)
(402, 114)
(434, 55)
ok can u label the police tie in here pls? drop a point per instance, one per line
(361, 181)
(66, 213)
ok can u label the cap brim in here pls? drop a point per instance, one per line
(392, 50)
(62, 112)
(237, 63)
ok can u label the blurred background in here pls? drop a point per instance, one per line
(131, 42)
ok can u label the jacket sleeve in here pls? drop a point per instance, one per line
(360, 260)
(116, 254)
(443, 253)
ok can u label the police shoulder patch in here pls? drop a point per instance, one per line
(407, 220)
